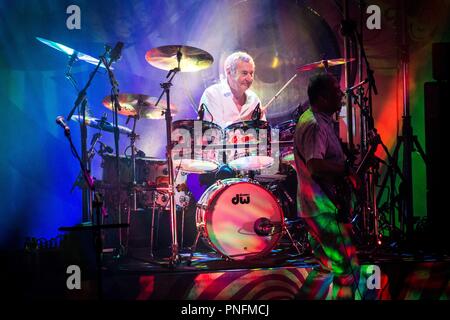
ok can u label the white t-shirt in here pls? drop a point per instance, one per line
(218, 98)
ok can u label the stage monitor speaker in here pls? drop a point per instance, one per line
(437, 104)
(441, 61)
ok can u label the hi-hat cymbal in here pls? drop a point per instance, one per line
(140, 105)
(101, 124)
(324, 64)
(70, 51)
(192, 59)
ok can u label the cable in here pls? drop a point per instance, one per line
(212, 118)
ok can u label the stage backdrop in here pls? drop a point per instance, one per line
(37, 169)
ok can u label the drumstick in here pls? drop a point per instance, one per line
(279, 92)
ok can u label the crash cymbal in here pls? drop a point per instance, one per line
(140, 105)
(192, 59)
(323, 64)
(101, 124)
(69, 51)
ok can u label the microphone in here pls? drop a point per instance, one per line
(201, 112)
(264, 227)
(116, 53)
(61, 122)
(105, 148)
(256, 115)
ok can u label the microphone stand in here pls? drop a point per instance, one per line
(175, 257)
(116, 108)
(86, 195)
(96, 226)
(90, 154)
(370, 199)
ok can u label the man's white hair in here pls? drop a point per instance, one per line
(232, 60)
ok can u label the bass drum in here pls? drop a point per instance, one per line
(227, 214)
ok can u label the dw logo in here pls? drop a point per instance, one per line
(242, 198)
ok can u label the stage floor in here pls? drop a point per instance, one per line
(281, 275)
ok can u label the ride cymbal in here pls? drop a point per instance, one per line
(191, 59)
(69, 51)
(140, 105)
(324, 64)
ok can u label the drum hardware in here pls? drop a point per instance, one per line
(308, 67)
(325, 64)
(182, 227)
(190, 59)
(101, 124)
(74, 56)
(139, 105)
(72, 53)
(227, 146)
(79, 181)
(175, 59)
(192, 141)
(248, 158)
(227, 226)
(152, 229)
(286, 136)
(96, 226)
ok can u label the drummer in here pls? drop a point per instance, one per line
(231, 100)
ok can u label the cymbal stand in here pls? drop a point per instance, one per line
(133, 186)
(116, 108)
(152, 230)
(133, 137)
(175, 257)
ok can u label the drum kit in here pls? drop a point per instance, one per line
(240, 218)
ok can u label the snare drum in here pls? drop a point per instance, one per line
(227, 213)
(191, 151)
(248, 145)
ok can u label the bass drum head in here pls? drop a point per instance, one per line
(233, 207)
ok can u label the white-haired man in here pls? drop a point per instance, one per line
(231, 100)
(228, 102)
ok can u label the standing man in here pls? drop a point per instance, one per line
(321, 167)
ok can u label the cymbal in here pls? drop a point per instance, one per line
(101, 124)
(70, 51)
(192, 59)
(140, 105)
(322, 63)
